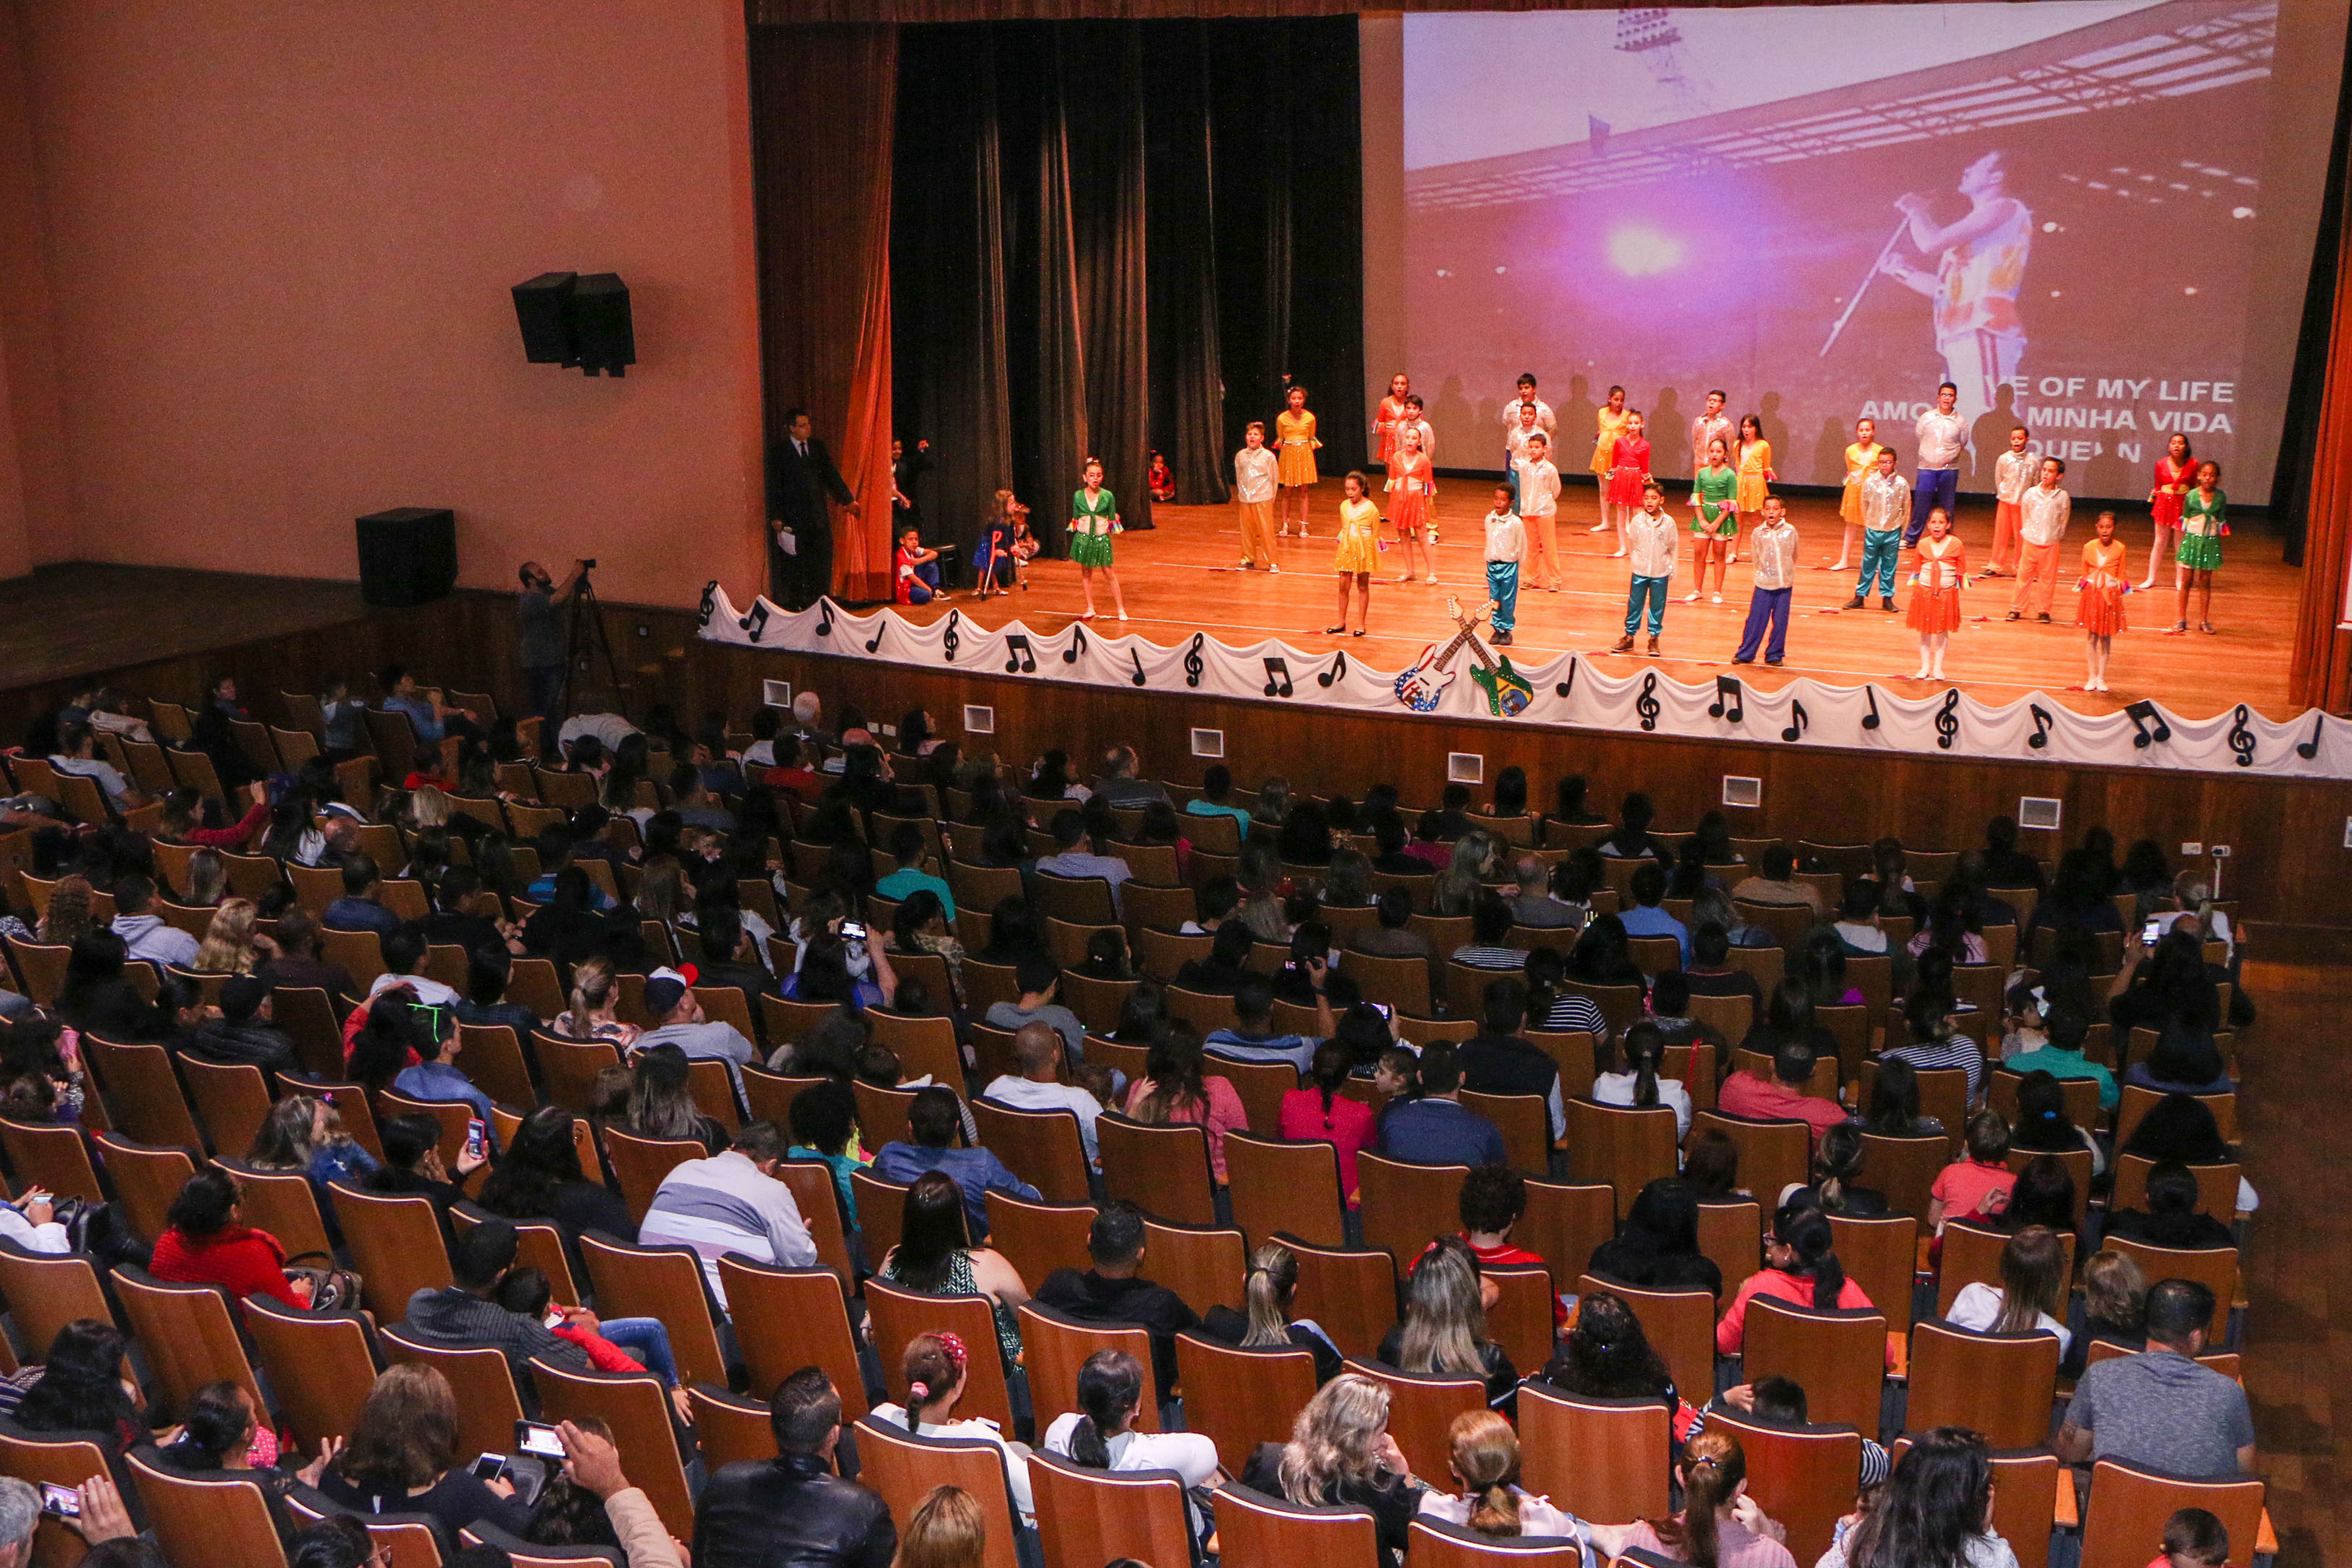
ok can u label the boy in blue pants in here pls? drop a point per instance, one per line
(1651, 543)
(1506, 544)
(1886, 509)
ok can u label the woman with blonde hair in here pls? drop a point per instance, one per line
(2032, 1293)
(945, 1530)
(595, 994)
(429, 806)
(664, 895)
(231, 944)
(1720, 1525)
(1482, 1452)
(1444, 1330)
(207, 878)
(304, 1132)
(1265, 1321)
(1340, 1453)
(71, 912)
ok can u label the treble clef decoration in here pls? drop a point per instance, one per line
(756, 622)
(1646, 704)
(1799, 721)
(1948, 720)
(709, 600)
(951, 641)
(2042, 723)
(1568, 686)
(1870, 719)
(2241, 738)
(824, 618)
(1077, 644)
(1332, 675)
(2148, 726)
(2309, 749)
(1138, 676)
(1193, 664)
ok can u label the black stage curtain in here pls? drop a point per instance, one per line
(1108, 237)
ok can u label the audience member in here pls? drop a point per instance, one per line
(1115, 1291)
(2160, 1409)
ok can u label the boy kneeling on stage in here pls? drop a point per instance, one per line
(917, 573)
(1773, 548)
(1506, 544)
(1649, 541)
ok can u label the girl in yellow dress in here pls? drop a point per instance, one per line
(1860, 458)
(1293, 432)
(1612, 419)
(1754, 461)
(1358, 554)
(2099, 599)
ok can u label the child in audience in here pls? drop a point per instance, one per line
(2193, 1539)
(1966, 1188)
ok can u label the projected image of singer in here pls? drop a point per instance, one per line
(1972, 292)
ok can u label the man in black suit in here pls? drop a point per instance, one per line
(801, 477)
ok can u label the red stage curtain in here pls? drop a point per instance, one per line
(2321, 673)
(821, 187)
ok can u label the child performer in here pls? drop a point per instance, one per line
(1935, 593)
(2204, 518)
(1773, 546)
(1525, 423)
(1860, 461)
(1025, 544)
(1293, 430)
(1714, 517)
(1507, 541)
(2012, 471)
(2099, 599)
(1754, 461)
(997, 564)
(1414, 421)
(1160, 479)
(1650, 540)
(1526, 393)
(1612, 422)
(1885, 512)
(1411, 483)
(2173, 471)
(1539, 509)
(1093, 518)
(2043, 513)
(1390, 421)
(916, 571)
(1628, 472)
(1706, 430)
(1257, 473)
(1358, 554)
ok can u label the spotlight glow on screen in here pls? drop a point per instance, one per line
(1826, 210)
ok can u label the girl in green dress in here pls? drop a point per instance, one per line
(1093, 518)
(1714, 524)
(2204, 516)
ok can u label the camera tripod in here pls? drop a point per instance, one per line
(584, 641)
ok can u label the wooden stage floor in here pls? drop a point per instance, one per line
(1182, 577)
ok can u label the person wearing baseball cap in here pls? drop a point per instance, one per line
(678, 1020)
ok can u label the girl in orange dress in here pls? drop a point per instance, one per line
(1935, 593)
(2174, 473)
(1411, 483)
(2099, 599)
(1393, 418)
(1612, 422)
(1293, 432)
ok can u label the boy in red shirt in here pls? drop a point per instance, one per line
(1964, 1187)
(1493, 1199)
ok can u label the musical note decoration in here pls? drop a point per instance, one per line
(1566, 686)
(1192, 664)
(1334, 675)
(2042, 723)
(1727, 705)
(1138, 677)
(2148, 725)
(1646, 704)
(1799, 721)
(954, 638)
(1948, 720)
(756, 623)
(1019, 655)
(1278, 676)
(1870, 719)
(709, 601)
(1077, 644)
(881, 624)
(2242, 737)
(824, 618)
(2309, 749)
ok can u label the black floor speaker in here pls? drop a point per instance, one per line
(408, 555)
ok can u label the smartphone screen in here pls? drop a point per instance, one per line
(1384, 1010)
(477, 1138)
(488, 1466)
(853, 931)
(538, 1438)
(2152, 933)
(64, 1503)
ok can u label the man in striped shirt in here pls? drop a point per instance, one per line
(732, 1202)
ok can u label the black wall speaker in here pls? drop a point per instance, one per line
(407, 555)
(576, 319)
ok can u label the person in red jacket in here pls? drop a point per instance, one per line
(1799, 1268)
(208, 1243)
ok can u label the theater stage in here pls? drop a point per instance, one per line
(1181, 578)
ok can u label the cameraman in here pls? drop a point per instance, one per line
(540, 640)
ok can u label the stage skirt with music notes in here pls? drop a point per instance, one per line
(1936, 586)
(1357, 552)
(2099, 599)
(1090, 527)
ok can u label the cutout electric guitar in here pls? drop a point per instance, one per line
(1507, 692)
(1422, 686)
